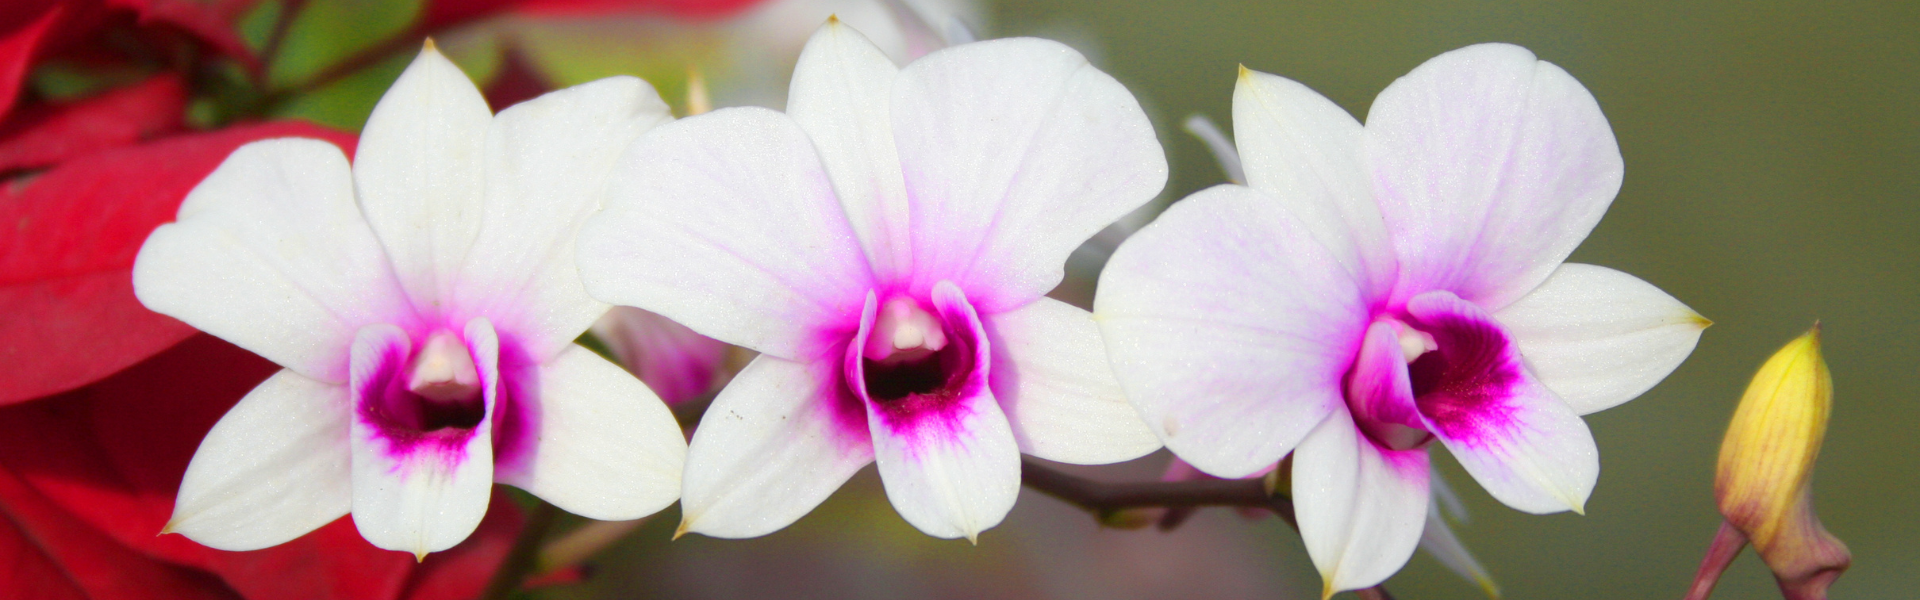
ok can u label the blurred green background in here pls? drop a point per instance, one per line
(1773, 167)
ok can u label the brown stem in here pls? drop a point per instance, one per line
(1378, 592)
(1727, 544)
(524, 555)
(289, 10)
(1105, 498)
(411, 38)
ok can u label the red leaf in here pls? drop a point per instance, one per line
(204, 21)
(39, 138)
(462, 571)
(17, 50)
(66, 261)
(49, 554)
(518, 81)
(96, 471)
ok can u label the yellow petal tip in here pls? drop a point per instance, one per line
(166, 529)
(682, 529)
(1487, 585)
(429, 46)
(419, 556)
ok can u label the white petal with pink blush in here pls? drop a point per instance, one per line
(1409, 272)
(878, 249)
(424, 300)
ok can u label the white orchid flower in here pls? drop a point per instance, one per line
(424, 302)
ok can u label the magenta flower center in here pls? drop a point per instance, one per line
(435, 395)
(1447, 372)
(910, 353)
(1464, 388)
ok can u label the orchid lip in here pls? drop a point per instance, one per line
(1433, 370)
(921, 392)
(431, 395)
(908, 354)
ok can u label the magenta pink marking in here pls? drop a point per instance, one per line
(927, 400)
(1378, 393)
(516, 405)
(1466, 387)
(407, 425)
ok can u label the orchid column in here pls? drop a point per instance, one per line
(424, 303)
(1376, 289)
(885, 245)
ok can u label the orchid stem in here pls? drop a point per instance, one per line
(283, 23)
(1726, 545)
(1104, 498)
(1377, 592)
(525, 554)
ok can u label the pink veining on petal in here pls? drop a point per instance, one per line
(925, 395)
(1467, 386)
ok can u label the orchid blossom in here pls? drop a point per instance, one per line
(424, 304)
(885, 245)
(1376, 288)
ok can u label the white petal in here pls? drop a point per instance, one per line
(1490, 167)
(1304, 150)
(954, 486)
(726, 223)
(270, 253)
(1599, 337)
(418, 173)
(953, 469)
(599, 443)
(1523, 444)
(274, 468)
(1230, 328)
(418, 496)
(1361, 507)
(547, 162)
(841, 95)
(769, 449)
(1051, 375)
(1015, 151)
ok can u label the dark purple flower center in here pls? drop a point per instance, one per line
(922, 373)
(917, 367)
(432, 395)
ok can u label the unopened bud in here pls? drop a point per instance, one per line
(1765, 476)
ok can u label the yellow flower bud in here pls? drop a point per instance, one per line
(1765, 475)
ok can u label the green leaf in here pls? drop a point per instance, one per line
(329, 31)
(345, 104)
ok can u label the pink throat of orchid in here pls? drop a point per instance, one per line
(910, 353)
(443, 389)
(1438, 373)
